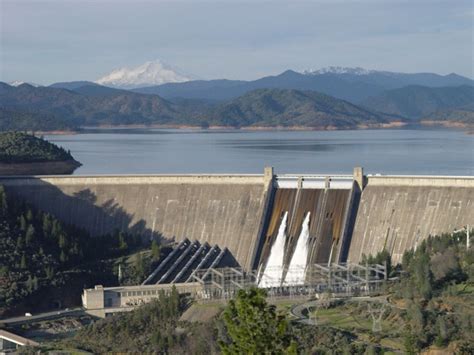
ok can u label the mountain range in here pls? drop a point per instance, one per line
(416, 101)
(347, 85)
(327, 98)
(93, 105)
(287, 107)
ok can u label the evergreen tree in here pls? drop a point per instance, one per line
(30, 234)
(253, 327)
(63, 257)
(35, 283)
(47, 225)
(23, 262)
(20, 243)
(62, 241)
(29, 284)
(155, 250)
(3, 202)
(140, 266)
(29, 216)
(23, 223)
(122, 242)
(49, 272)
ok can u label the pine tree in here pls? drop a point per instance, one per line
(254, 327)
(122, 242)
(49, 272)
(20, 243)
(35, 283)
(29, 215)
(3, 202)
(155, 250)
(23, 224)
(140, 266)
(63, 257)
(29, 284)
(30, 234)
(23, 262)
(62, 241)
(46, 225)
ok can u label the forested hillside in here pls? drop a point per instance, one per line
(463, 116)
(32, 122)
(278, 107)
(39, 253)
(95, 105)
(118, 107)
(17, 147)
(420, 101)
(428, 308)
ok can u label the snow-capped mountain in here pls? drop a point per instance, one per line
(339, 70)
(19, 82)
(148, 74)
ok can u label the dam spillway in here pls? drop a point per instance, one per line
(316, 208)
(349, 215)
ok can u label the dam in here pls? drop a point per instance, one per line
(259, 221)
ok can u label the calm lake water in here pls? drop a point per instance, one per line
(395, 151)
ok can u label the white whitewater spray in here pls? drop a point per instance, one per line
(297, 268)
(272, 276)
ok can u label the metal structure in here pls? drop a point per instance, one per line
(182, 262)
(341, 280)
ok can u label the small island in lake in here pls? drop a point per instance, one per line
(24, 154)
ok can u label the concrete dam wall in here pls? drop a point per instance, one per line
(223, 210)
(341, 217)
(397, 213)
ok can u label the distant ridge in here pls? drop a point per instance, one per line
(263, 107)
(290, 108)
(420, 101)
(351, 84)
(71, 85)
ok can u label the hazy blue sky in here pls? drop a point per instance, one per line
(62, 40)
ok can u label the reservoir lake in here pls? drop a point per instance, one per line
(173, 151)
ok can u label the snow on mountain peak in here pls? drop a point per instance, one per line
(19, 82)
(148, 74)
(338, 70)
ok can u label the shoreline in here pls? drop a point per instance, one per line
(55, 167)
(448, 124)
(395, 124)
(390, 125)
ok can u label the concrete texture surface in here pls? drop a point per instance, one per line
(223, 210)
(234, 211)
(397, 213)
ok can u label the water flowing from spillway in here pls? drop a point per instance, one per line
(297, 268)
(272, 276)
